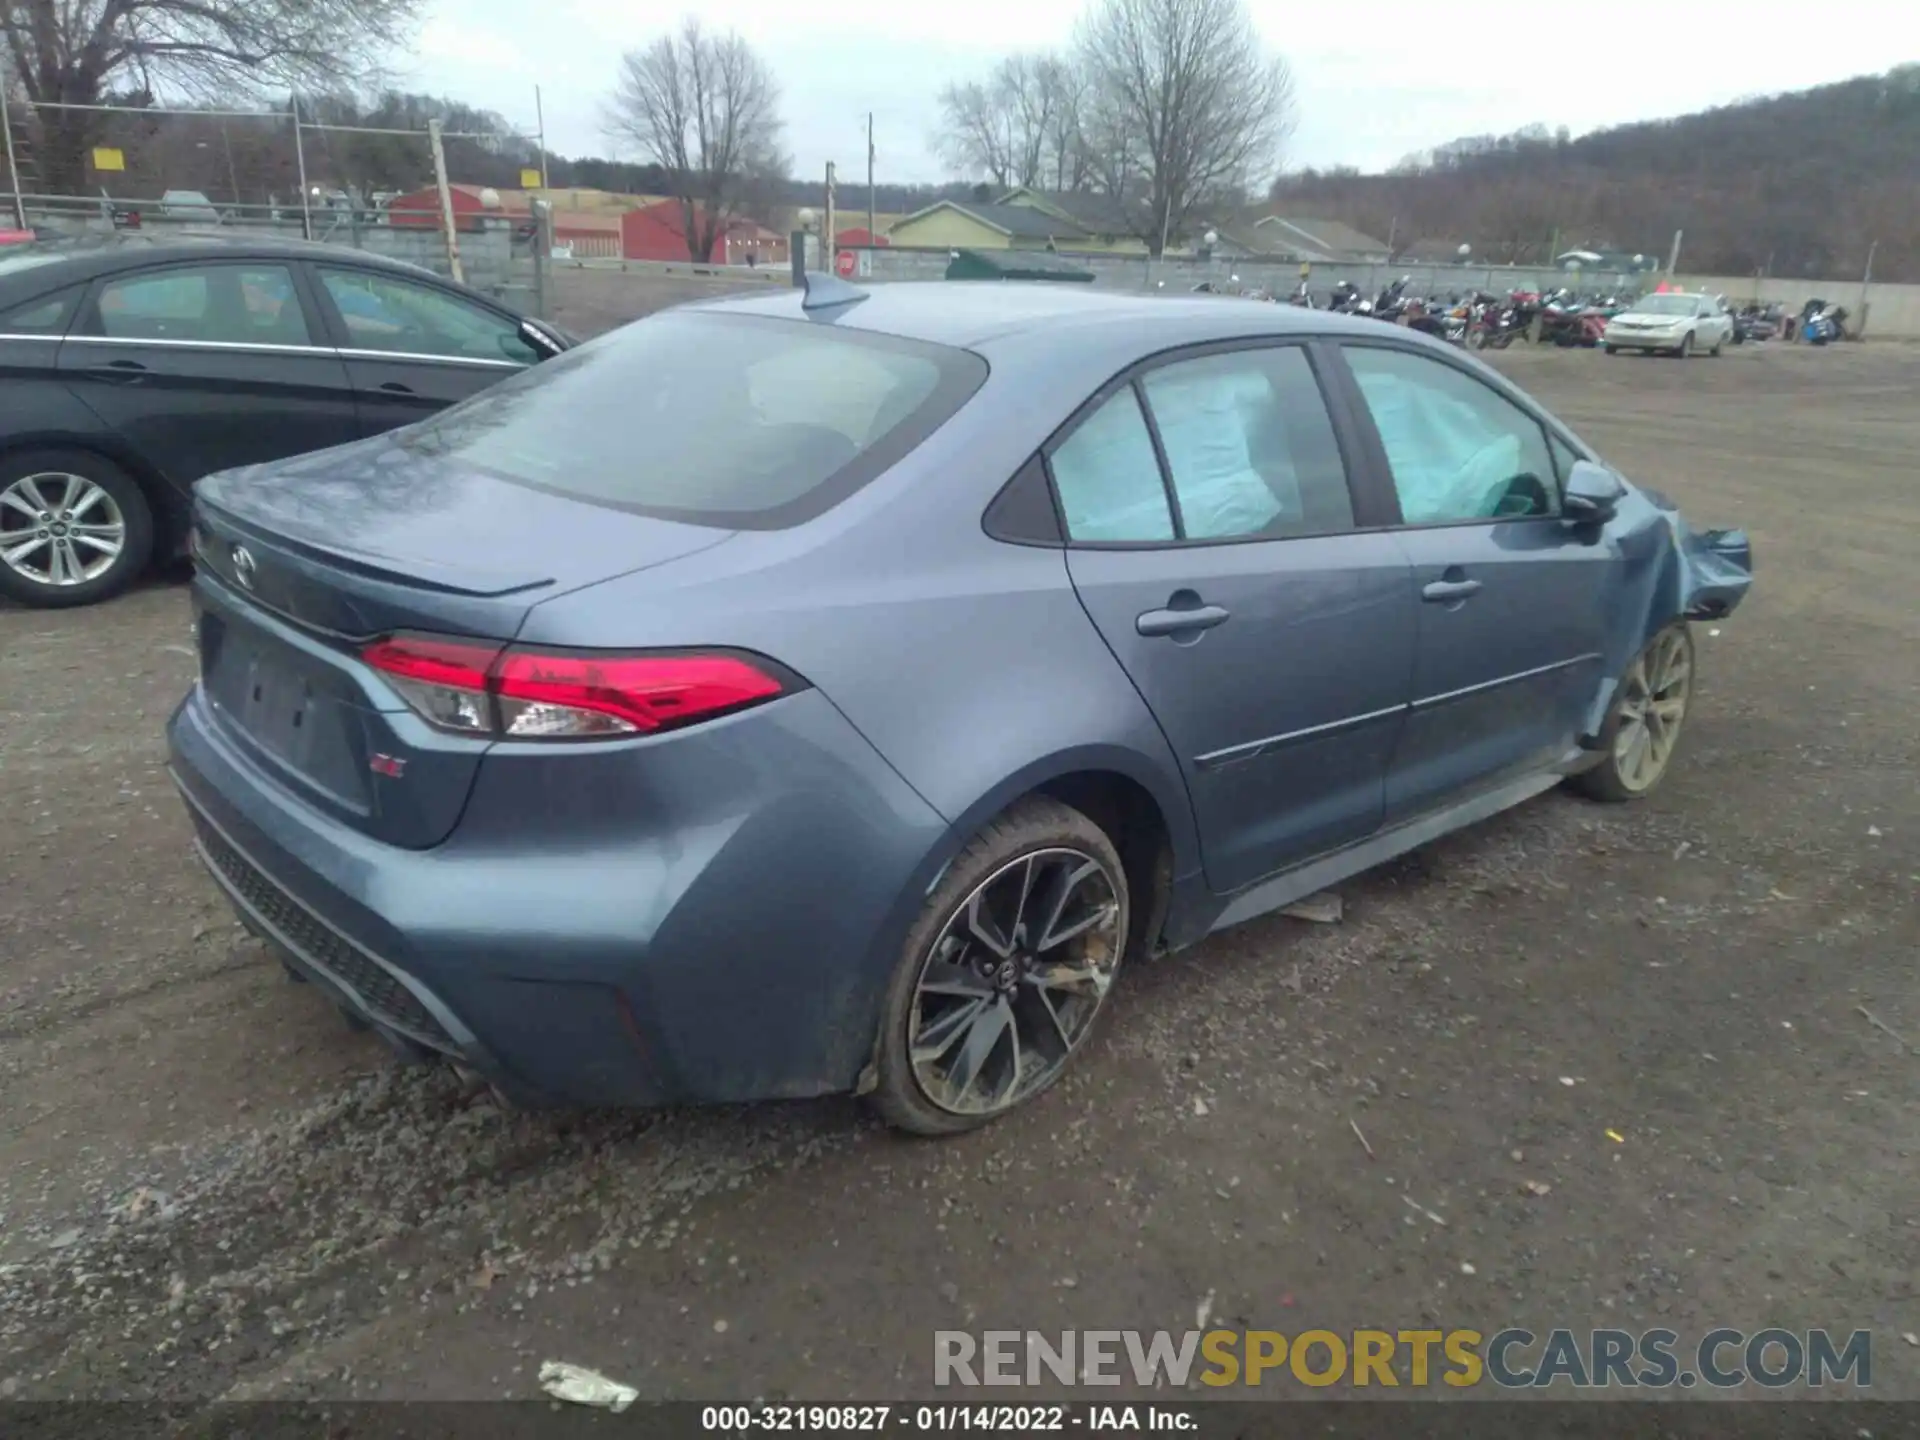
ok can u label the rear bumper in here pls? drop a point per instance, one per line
(604, 936)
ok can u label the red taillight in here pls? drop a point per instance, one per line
(473, 687)
(642, 692)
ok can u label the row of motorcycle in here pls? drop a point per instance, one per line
(1485, 321)
(1478, 320)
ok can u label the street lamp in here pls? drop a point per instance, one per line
(1464, 251)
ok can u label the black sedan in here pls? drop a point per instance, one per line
(132, 369)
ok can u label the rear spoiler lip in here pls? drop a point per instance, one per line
(416, 573)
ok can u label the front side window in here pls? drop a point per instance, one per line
(383, 312)
(1108, 477)
(1249, 445)
(211, 304)
(712, 419)
(1458, 450)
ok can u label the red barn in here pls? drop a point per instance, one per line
(659, 232)
(420, 209)
(859, 236)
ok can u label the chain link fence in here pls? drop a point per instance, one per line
(285, 172)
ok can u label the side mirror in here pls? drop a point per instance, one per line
(537, 336)
(1593, 494)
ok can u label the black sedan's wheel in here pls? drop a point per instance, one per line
(1643, 728)
(74, 528)
(1005, 973)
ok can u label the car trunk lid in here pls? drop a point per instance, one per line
(303, 565)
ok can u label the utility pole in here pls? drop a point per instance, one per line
(226, 143)
(1866, 279)
(13, 167)
(540, 125)
(446, 203)
(300, 161)
(827, 235)
(1673, 255)
(871, 239)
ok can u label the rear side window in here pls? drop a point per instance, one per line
(1108, 477)
(212, 304)
(48, 315)
(731, 420)
(1250, 446)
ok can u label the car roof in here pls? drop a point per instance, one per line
(969, 314)
(86, 257)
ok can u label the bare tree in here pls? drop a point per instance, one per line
(706, 109)
(1185, 106)
(1064, 162)
(1018, 127)
(976, 135)
(77, 52)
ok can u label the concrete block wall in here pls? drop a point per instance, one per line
(486, 256)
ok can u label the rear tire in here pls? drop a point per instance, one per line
(985, 1011)
(1644, 724)
(74, 528)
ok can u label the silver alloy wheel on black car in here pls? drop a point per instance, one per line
(74, 528)
(1006, 973)
(60, 529)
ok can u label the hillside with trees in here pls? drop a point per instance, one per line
(1799, 185)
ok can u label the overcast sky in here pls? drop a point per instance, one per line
(1374, 82)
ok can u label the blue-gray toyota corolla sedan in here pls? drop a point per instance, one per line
(832, 691)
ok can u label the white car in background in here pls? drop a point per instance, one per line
(1672, 322)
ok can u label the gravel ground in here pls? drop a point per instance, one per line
(210, 1187)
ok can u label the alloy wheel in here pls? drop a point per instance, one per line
(60, 529)
(1653, 705)
(1013, 981)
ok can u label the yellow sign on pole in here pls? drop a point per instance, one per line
(107, 158)
(529, 179)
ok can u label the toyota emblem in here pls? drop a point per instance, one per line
(243, 566)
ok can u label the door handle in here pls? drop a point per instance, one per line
(119, 372)
(1189, 621)
(394, 387)
(1445, 592)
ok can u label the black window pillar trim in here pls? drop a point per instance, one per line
(1376, 503)
(1160, 456)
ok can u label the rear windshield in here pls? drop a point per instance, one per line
(731, 420)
